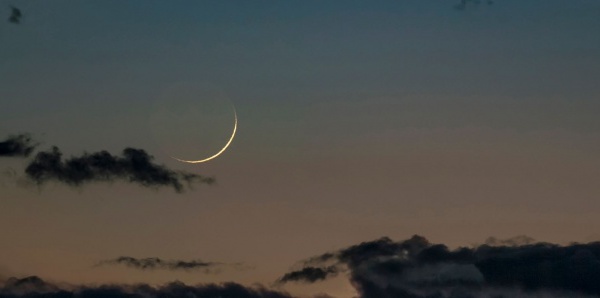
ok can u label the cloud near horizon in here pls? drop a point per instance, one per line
(35, 287)
(160, 264)
(416, 268)
(309, 274)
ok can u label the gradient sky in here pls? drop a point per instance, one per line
(357, 119)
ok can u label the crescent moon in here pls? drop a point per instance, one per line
(221, 151)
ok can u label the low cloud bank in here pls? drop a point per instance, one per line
(309, 274)
(35, 287)
(416, 268)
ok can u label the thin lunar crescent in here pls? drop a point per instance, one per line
(221, 151)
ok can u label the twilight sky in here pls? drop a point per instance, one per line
(357, 120)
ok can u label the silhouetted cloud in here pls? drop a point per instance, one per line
(309, 274)
(508, 268)
(22, 286)
(34, 287)
(513, 241)
(135, 166)
(17, 146)
(323, 295)
(15, 15)
(160, 264)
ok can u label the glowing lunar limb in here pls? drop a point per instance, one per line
(221, 151)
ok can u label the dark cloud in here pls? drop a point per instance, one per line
(514, 241)
(134, 166)
(15, 15)
(34, 287)
(160, 264)
(309, 274)
(17, 146)
(30, 284)
(416, 268)
(323, 295)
